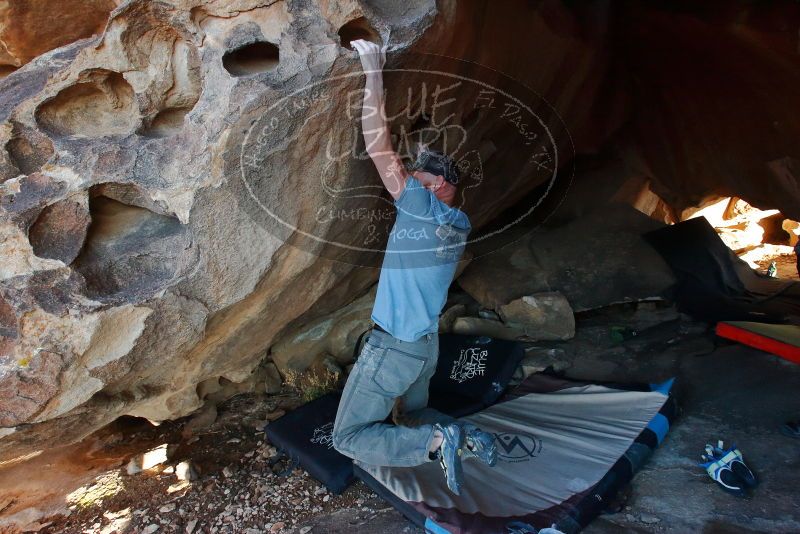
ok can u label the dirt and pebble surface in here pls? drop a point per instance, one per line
(241, 484)
(727, 392)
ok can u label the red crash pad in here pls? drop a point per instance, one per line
(780, 339)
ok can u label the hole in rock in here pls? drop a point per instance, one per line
(359, 28)
(759, 237)
(197, 14)
(131, 195)
(166, 122)
(130, 252)
(251, 59)
(28, 149)
(774, 233)
(130, 424)
(103, 103)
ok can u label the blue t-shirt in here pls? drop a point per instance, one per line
(425, 245)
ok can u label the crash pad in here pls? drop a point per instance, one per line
(472, 372)
(565, 449)
(305, 435)
(780, 339)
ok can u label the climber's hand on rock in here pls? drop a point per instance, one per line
(372, 56)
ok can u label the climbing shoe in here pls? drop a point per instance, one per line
(727, 468)
(733, 458)
(450, 454)
(480, 445)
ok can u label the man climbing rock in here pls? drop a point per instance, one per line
(399, 357)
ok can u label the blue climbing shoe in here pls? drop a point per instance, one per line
(733, 458)
(724, 476)
(727, 468)
(450, 454)
(480, 445)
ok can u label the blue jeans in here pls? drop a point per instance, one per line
(387, 369)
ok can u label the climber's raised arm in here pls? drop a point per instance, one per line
(373, 119)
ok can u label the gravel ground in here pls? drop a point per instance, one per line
(240, 486)
(728, 392)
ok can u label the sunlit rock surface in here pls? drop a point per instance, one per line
(134, 267)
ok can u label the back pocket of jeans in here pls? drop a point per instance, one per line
(370, 358)
(396, 371)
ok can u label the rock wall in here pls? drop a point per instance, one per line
(136, 266)
(716, 113)
(32, 27)
(132, 270)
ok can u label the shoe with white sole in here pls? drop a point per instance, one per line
(480, 445)
(450, 454)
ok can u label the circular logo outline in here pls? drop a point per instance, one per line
(551, 181)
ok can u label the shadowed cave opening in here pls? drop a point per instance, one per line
(28, 149)
(102, 103)
(252, 58)
(166, 122)
(130, 252)
(355, 29)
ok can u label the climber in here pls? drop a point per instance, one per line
(399, 357)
